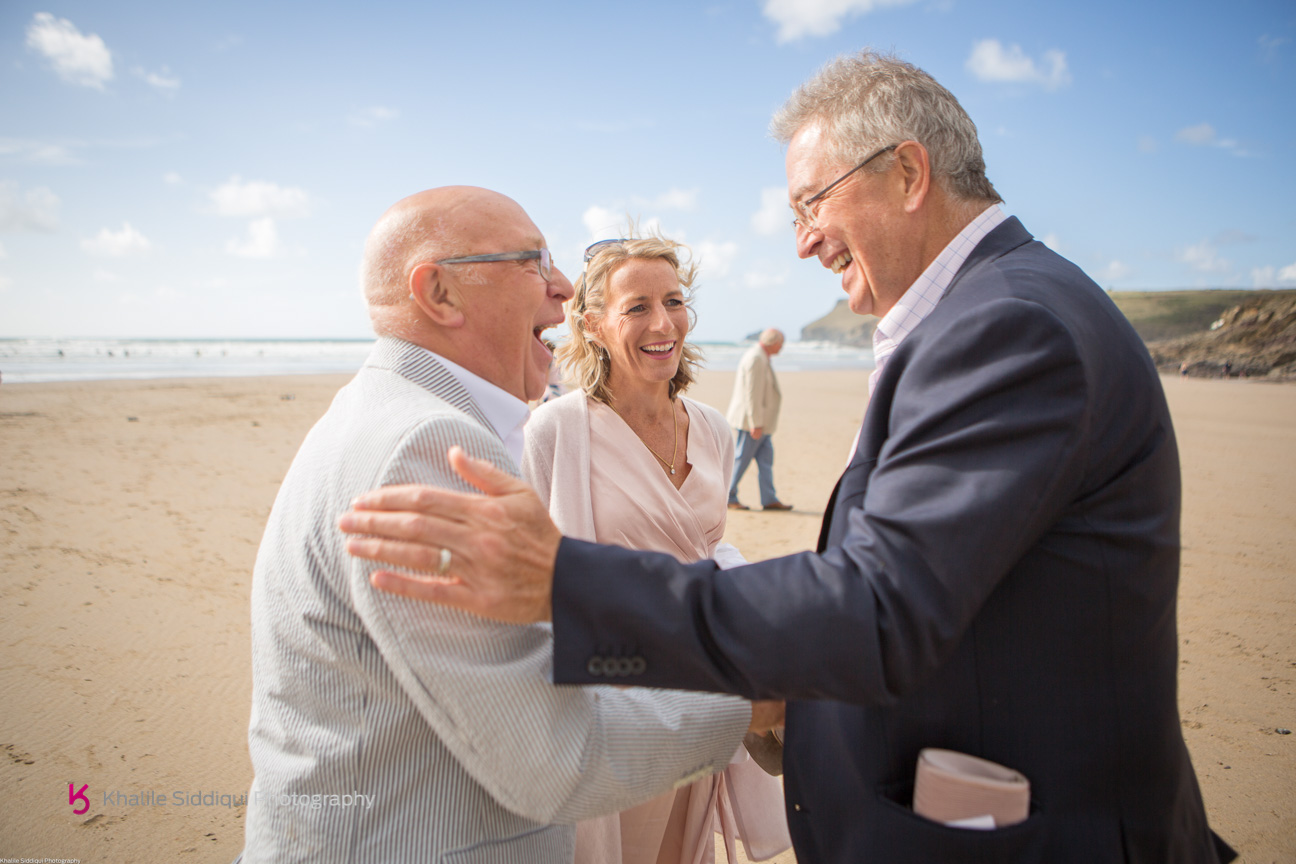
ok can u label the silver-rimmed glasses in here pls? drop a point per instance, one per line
(806, 218)
(546, 262)
(598, 246)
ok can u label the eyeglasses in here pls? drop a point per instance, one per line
(546, 262)
(806, 217)
(590, 251)
(595, 248)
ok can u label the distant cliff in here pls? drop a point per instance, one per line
(1256, 338)
(842, 326)
(1206, 332)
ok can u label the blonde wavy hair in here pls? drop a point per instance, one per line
(588, 364)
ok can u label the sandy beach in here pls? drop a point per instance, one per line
(130, 514)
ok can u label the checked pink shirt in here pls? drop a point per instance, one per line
(923, 295)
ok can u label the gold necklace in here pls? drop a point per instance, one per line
(674, 453)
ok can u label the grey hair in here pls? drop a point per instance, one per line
(587, 362)
(866, 101)
(401, 241)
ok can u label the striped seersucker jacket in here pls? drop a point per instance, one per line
(390, 730)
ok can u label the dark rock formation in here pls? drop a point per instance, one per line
(1254, 339)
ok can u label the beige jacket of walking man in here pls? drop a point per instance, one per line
(753, 412)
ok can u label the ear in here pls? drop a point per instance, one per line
(433, 297)
(591, 327)
(915, 167)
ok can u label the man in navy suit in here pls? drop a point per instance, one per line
(998, 565)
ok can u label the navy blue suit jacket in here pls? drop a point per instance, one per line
(996, 574)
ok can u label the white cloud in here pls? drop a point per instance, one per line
(1270, 277)
(989, 61)
(106, 276)
(797, 19)
(1269, 46)
(1202, 133)
(653, 225)
(672, 199)
(33, 210)
(715, 259)
(164, 80)
(774, 216)
(5, 284)
(262, 240)
(1114, 271)
(40, 152)
(258, 198)
(367, 118)
(1147, 144)
(602, 223)
(761, 279)
(172, 178)
(77, 58)
(1053, 241)
(1202, 256)
(117, 244)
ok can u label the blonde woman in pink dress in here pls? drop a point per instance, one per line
(627, 459)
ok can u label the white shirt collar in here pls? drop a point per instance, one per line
(506, 413)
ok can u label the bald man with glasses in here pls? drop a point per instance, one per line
(386, 730)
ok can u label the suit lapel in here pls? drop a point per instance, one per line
(1007, 236)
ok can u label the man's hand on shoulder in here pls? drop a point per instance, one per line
(491, 554)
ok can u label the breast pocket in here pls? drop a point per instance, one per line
(915, 839)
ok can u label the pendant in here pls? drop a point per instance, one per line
(672, 470)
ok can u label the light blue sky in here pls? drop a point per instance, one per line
(211, 170)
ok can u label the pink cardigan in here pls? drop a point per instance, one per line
(748, 803)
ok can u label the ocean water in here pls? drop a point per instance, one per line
(42, 360)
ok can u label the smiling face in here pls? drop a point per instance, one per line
(861, 223)
(506, 305)
(644, 322)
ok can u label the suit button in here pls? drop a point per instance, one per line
(796, 807)
(595, 666)
(624, 666)
(638, 666)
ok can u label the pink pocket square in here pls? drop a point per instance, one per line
(955, 787)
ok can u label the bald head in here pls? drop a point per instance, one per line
(771, 338)
(425, 227)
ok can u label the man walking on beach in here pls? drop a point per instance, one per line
(998, 566)
(385, 730)
(753, 412)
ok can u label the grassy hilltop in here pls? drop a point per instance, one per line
(1255, 334)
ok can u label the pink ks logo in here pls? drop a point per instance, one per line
(79, 795)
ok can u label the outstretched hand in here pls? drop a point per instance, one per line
(502, 544)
